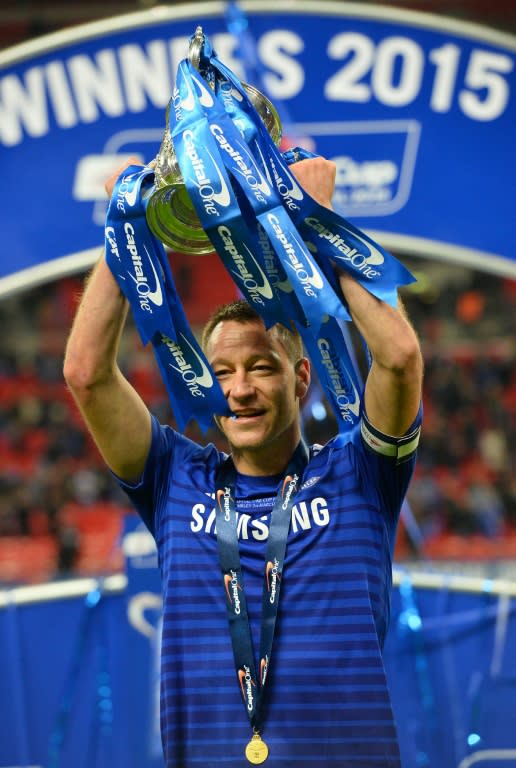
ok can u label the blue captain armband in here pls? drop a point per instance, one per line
(399, 448)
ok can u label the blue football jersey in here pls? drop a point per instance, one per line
(326, 700)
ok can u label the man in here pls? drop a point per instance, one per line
(325, 700)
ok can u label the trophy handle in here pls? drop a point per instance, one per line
(195, 48)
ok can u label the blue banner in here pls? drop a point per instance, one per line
(416, 110)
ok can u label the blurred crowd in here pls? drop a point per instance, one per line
(465, 484)
(54, 488)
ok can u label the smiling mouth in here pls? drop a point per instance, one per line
(243, 415)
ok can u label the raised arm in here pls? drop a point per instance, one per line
(394, 383)
(114, 413)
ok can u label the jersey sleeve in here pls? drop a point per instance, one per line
(173, 458)
(386, 462)
(399, 449)
(150, 491)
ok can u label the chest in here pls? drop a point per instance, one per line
(327, 526)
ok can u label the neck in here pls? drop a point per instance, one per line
(270, 460)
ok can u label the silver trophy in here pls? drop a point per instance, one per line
(170, 213)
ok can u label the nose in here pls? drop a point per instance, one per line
(240, 386)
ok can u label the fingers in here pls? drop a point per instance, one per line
(317, 176)
(110, 183)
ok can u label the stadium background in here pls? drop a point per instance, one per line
(62, 517)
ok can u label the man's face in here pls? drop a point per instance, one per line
(262, 387)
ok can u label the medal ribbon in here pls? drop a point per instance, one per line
(250, 682)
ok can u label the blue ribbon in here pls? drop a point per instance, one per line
(211, 192)
(249, 170)
(330, 355)
(140, 266)
(335, 237)
(277, 243)
(135, 257)
(202, 131)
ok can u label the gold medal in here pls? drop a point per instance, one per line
(257, 750)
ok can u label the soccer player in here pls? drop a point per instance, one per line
(296, 673)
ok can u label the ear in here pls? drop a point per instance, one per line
(302, 377)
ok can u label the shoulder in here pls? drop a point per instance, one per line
(177, 449)
(174, 462)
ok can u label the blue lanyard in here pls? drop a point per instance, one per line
(252, 683)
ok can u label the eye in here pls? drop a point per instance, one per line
(221, 372)
(262, 368)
